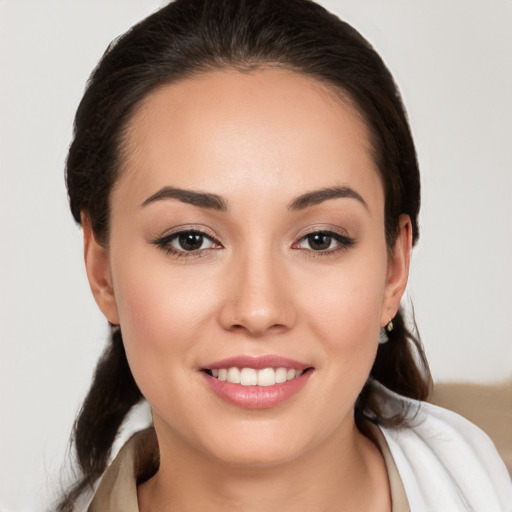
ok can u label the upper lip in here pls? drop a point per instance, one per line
(257, 362)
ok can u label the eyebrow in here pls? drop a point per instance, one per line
(215, 202)
(201, 199)
(319, 196)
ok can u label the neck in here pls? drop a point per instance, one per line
(346, 473)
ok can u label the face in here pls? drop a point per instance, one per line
(247, 243)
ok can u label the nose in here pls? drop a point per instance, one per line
(258, 298)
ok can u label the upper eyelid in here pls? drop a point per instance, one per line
(326, 228)
(333, 234)
(173, 236)
(203, 230)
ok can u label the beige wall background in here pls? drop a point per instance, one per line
(452, 63)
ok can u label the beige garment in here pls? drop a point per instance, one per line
(117, 491)
(487, 405)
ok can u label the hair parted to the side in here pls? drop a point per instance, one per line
(193, 36)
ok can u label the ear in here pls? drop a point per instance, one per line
(398, 270)
(98, 272)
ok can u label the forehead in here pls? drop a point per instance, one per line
(226, 129)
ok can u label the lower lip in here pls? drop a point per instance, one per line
(257, 397)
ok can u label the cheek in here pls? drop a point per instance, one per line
(344, 306)
(161, 310)
(343, 312)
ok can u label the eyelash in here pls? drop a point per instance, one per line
(344, 243)
(164, 243)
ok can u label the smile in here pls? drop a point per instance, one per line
(254, 377)
(257, 382)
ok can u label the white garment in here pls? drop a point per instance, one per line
(446, 463)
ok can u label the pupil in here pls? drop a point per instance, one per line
(319, 241)
(191, 241)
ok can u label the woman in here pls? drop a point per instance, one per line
(248, 189)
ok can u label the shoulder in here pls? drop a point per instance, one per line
(446, 462)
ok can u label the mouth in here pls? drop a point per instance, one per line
(264, 377)
(257, 382)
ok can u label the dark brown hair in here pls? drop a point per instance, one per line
(191, 36)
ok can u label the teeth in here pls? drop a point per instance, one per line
(266, 377)
(280, 375)
(252, 377)
(248, 377)
(234, 375)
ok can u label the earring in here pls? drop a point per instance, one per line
(383, 334)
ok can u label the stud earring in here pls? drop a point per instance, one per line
(383, 334)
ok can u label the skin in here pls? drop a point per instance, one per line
(258, 140)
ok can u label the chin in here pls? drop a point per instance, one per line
(265, 457)
(254, 449)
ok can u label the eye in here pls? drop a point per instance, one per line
(324, 241)
(317, 242)
(187, 242)
(191, 241)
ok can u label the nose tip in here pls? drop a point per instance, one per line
(256, 320)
